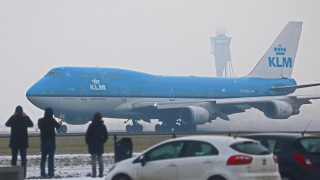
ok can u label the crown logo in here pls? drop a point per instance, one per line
(95, 81)
(280, 50)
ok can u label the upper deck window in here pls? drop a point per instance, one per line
(54, 74)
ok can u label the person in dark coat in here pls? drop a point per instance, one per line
(96, 137)
(19, 123)
(47, 126)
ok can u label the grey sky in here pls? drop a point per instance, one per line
(169, 37)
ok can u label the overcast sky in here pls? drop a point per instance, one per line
(167, 37)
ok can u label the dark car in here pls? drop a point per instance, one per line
(298, 154)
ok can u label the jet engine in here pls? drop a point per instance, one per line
(194, 115)
(279, 110)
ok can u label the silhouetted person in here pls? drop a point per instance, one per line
(19, 123)
(47, 126)
(96, 137)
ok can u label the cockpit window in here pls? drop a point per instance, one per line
(54, 74)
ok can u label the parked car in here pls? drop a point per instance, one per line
(200, 157)
(298, 155)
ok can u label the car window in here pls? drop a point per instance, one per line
(198, 148)
(311, 145)
(166, 151)
(250, 147)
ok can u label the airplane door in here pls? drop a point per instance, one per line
(103, 75)
(83, 93)
(171, 94)
(124, 93)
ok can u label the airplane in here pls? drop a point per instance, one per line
(180, 103)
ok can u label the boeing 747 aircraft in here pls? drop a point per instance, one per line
(180, 103)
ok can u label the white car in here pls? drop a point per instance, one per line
(200, 157)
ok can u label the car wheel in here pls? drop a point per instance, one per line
(121, 177)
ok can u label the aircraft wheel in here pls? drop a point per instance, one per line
(58, 130)
(157, 127)
(140, 128)
(162, 128)
(135, 128)
(128, 128)
(64, 129)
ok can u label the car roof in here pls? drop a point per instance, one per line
(217, 140)
(212, 139)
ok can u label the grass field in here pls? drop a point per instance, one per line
(77, 145)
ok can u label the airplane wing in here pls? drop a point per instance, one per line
(293, 99)
(224, 107)
(225, 101)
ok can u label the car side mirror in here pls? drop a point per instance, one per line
(142, 160)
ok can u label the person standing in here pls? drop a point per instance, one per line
(96, 137)
(47, 126)
(19, 123)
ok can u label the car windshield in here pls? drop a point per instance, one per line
(311, 145)
(250, 147)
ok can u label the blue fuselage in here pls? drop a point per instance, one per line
(111, 87)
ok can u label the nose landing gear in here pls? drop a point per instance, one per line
(63, 128)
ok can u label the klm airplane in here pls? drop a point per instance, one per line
(180, 103)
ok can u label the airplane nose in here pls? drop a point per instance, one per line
(34, 93)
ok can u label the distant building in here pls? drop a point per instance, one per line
(220, 47)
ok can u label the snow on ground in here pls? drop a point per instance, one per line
(67, 166)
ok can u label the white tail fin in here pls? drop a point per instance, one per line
(279, 59)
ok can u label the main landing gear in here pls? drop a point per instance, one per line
(62, 129)
(135, 127)
(176, 126)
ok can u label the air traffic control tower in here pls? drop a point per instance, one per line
(221, 50)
